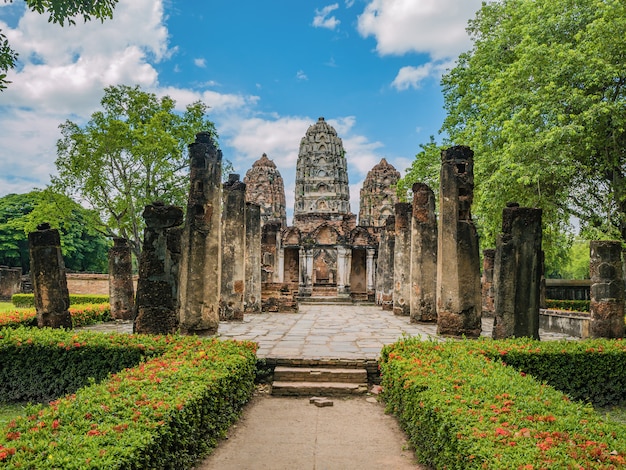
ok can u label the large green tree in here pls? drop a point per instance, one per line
(84, 247)
(541, 99)
(128, 155)
(59, 11)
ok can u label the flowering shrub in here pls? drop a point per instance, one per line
(82, 315)
(462, 409)
(164, 412)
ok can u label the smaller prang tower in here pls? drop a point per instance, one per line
(265, 187)
(378, 195)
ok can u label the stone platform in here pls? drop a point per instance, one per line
(324, 332)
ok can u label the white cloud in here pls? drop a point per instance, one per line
(200, 63)
(61, 75)
(434, 27)
(217, 102)
(349, 3)
(322, 20)
(300, 75)
(65, 69)
(413, 77)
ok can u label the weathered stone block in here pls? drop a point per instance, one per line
(201, 254)
(156, 303)
(402, 260)
(459, 304)
(517, 273)
(233, 250)
(423, 255)
(607, 290)
(47, 269)
(121, 288)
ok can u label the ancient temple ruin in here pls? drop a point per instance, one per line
(324, 252)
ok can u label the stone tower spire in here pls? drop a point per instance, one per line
(378, 195)
(321, 173)
(265, 187)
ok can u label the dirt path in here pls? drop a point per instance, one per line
(290, 433)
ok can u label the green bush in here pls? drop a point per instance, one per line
(82, 315)
(28, 300)
(163, 413)
(463, 407)
(572, 305)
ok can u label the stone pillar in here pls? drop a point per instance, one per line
(459, 302)
(348, 271)
(341, 270)
(47, 271)
(280, 272)
(200, 265)
(121, 289)
(272, 254)
(423, 255)
(308, 290)
(233, 249)
(489, 257)
(607, 290)
(175, 253)
(252, 299)
(156, 303)
(402, 260)
(305, 289)
(517, 274)
(10, 282)
(384, 268)
(370, 267)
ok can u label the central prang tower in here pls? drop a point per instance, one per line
(321, 173)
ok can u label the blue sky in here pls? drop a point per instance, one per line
(268, 70)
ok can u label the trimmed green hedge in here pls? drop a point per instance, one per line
(82, 315)
(463, 407)
(163, 413)
(28, 300)
(572, 305)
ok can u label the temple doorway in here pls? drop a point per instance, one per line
(358, 273)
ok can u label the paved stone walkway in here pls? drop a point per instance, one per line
(324, 331)
(288, 433)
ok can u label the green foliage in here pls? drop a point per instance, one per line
(84, 247)
(540, 98)
(28, 300)
(590, 371)
(572, 305)
(60, 12)
(130, 154)
(424, 169)
(577, 266)
(464, 408)
(69, 364)
(164, 413)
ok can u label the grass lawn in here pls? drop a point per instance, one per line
(614, 413)
(8, 411)
(9, 307)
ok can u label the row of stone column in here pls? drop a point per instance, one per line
(438, 264)
(190, 276)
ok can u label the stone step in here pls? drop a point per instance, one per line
(320, 374)
(317, 388)
(325, 300)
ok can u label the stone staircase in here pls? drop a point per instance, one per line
(319, 380)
